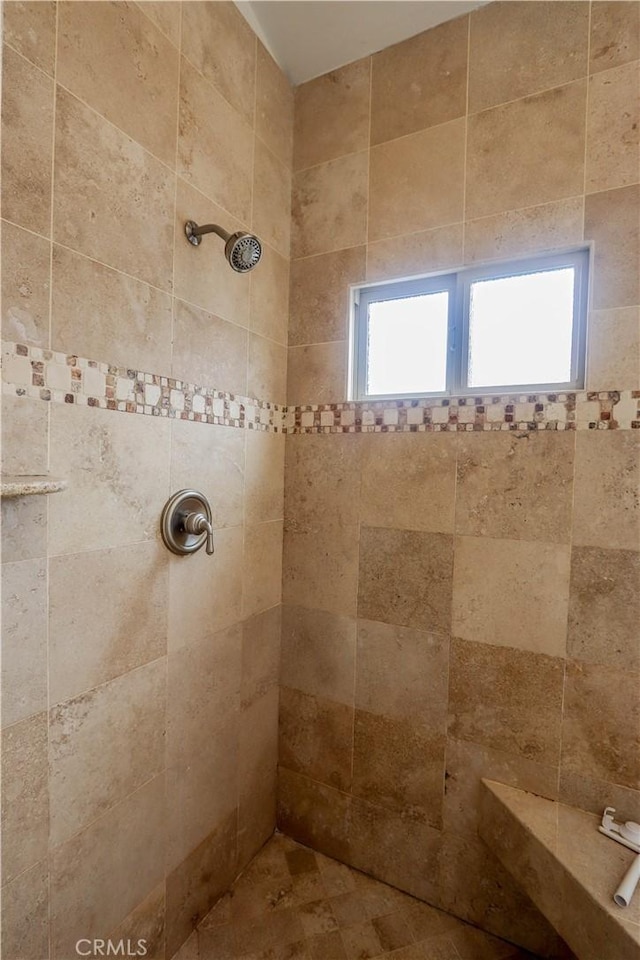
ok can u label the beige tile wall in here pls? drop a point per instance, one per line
(451, 148)
(139, 689)
(491, 630)
(460, 606)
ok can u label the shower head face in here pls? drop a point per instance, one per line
(243, 251)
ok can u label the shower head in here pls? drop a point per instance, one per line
(242, 250)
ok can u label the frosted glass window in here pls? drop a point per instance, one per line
(505, 327)
(407, 345)
(520, 329)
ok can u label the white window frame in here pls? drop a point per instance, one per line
(458, 285)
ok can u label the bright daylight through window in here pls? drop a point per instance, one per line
(514, 326)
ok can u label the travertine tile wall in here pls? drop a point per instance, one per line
(462, 605)
(508, 132)
(139, 689)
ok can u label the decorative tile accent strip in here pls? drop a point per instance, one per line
(605, 410)
(56, 377)
(46, 375)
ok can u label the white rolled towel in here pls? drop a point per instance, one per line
(625, 891)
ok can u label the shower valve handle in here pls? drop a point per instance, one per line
(197, 523)
(187, 523)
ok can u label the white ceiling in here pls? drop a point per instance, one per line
(310, 38)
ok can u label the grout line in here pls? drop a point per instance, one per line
(47, 507)
(52, 196)
(566, 635)
(357, 585)
(323, 253)
(175, 197)
(450, 637)
(123, 545)
(250, 331)
(25, 870)
(325, 163)
(205, 196)
(276, 156)
(586, 125)
(253, 131)
(115, 126)
(532, 94)
(18, 53)
(466, 145)
(103, 683)
(141, 8)
(562, 702)
(212, 86)
(531, 206)
(171, 437)
(105, 813)
(317, 343)
(20, 226)
(368, 212)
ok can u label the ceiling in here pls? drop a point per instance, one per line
(310, 38)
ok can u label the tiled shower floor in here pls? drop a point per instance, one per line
(293, 904)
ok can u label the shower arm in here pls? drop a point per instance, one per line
(197, 231)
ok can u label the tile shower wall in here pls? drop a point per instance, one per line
(140, 693)
(509, 132)
(462, 605)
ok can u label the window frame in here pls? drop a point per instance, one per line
(458, 284)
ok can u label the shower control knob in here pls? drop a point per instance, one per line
(186, 523)
(197, 523)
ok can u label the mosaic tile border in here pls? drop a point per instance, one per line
(60, 378)
(603, 410)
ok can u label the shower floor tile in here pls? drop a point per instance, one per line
(293, 904)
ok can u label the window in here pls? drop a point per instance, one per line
(501, 328)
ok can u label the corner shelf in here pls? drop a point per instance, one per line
(29, 486)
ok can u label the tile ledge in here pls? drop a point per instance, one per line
(566, 866)
(25, 485)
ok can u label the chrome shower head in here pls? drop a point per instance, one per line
(242, 250)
